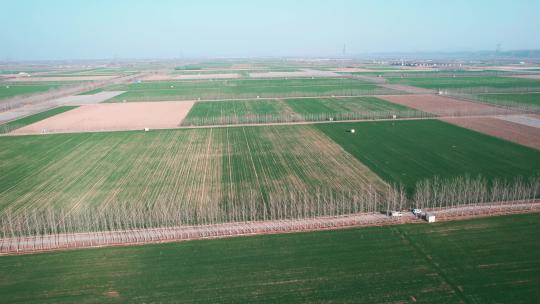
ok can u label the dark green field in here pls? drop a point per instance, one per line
(409, 151)
(466, 82)
(231, 89)
(490, 260)
(19, 123)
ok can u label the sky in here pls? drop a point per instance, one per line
(163, 29)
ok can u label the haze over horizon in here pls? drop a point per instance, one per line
(65, 30)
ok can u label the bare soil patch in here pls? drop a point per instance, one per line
(514, 132)
(113, 117)
(408, 89)
(159, 77)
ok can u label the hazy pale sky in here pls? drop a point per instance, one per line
(100, 29)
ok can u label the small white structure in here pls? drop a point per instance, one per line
(352, 131)
(258, 96)
(331, 119)
(172, 86)
(430, 217)
(394, 116)
(396, 213)
(417, 211)
(146, 129)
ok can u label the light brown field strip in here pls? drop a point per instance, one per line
(113, 117)
(408, 89)
(439, 105)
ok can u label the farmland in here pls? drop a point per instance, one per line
(292, 109)
(208, 112)
(204, 174)
(409, 151)
(269, 152)
(19, 123)
(446, 262)
(234, 89)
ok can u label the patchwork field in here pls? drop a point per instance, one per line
(199, 173)
(480, 117)
(490, 260)
(499, 127)
(409, 151)
(236, 89)
(283, 110)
